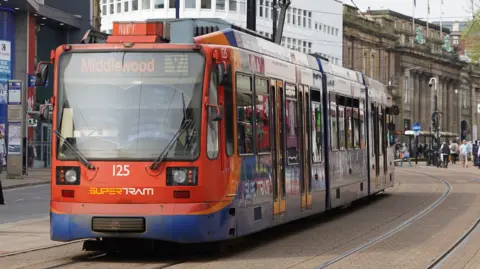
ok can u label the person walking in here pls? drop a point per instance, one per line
(454, 151)
(464, 151)
(445, 151)
(405, 155)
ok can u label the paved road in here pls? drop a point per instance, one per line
(25, 203)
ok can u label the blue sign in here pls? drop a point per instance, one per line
(5, 68)
(416, 127)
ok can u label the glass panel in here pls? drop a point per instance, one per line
(341, 126)
(206, 4)
(317, 132)
(145, 4)
(244, 114)
(158, 4)
(349, 127)
(291, 122)
(190, 3)
(134, 5)
(212, 126)
(130, 105)
(232, 5)
(263, 115)
(333, 122)
(220, 5)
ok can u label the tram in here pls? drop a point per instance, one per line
(208, 141)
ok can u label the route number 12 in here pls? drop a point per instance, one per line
(121, 170)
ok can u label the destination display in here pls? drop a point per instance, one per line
(131, 64)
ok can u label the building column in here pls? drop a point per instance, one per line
(450, 110)
(444, 108)
(423, 102)
(416, 97)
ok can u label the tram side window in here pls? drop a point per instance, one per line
(291, 123)
(341, 125)
(316, 125)
(262, 119)
(349, 126)
(381, 137)
(333, 121)
(361, 131)
(212, 128)
(356, 128)
(244, 114)
(229, 119)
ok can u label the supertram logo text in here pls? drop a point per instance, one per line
(122, 191)
(110, 66)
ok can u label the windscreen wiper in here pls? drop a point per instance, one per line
(77, 152)
(187, 123)
(185, 126)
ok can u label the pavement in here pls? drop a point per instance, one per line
(36, 176)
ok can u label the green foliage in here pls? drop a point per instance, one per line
(471, 37)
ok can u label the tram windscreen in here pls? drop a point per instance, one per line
(129, 105)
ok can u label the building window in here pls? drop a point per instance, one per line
(126, 6)
(406, 90)
(104, 7)
(206, 4)
(190, 3)
(145, 4)
(336, 32)
(112, 7)
(157, 4)
(232, 5)
(455, 40)
(134, 5)
(299, 17)
(119, 6)
(171, 4)
(266, 8)
(220, 5)
(294, 16)
(289, 14)
(243, 7)
(260, 9)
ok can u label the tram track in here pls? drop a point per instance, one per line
(395, 229)
(264, 239)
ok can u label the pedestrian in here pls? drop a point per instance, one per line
(2, 156)
(454, 151)
(464, 154)
(405, 155)
(445, 151)
(475, 153)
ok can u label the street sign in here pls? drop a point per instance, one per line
(416, 129)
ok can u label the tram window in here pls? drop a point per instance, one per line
(349, 127)
(333, 121)
(316, 125)
(381, 137)
(291, 123)
(361, 130)
(341, 127)
(244, 114)
(356, 128)
(229, 119)
(262, 119)
(212, 126)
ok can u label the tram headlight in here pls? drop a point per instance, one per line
(182, 176)
(68, 175)
(71, 176)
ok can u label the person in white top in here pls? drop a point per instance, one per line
(2, 152)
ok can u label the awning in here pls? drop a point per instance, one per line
(45, 13)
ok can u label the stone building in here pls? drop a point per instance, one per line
(384, 45)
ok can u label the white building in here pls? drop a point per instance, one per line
(316, 29)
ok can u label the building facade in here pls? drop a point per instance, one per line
(30, 29)
(316, 29)
(412, 55)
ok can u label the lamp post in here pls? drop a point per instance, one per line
(457, 115)
(435, 117)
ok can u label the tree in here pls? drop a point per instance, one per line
(471, 33)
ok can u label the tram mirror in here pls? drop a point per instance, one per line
(223, 72)
(41, 74)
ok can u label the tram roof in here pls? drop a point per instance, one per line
(238, 39)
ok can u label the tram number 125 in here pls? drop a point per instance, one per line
(121, 170)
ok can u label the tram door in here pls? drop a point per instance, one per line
(376, 142)
(278, 172)
(304, 116)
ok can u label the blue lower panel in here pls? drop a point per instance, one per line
(180, 229)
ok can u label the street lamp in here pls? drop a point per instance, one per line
(435, 116)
